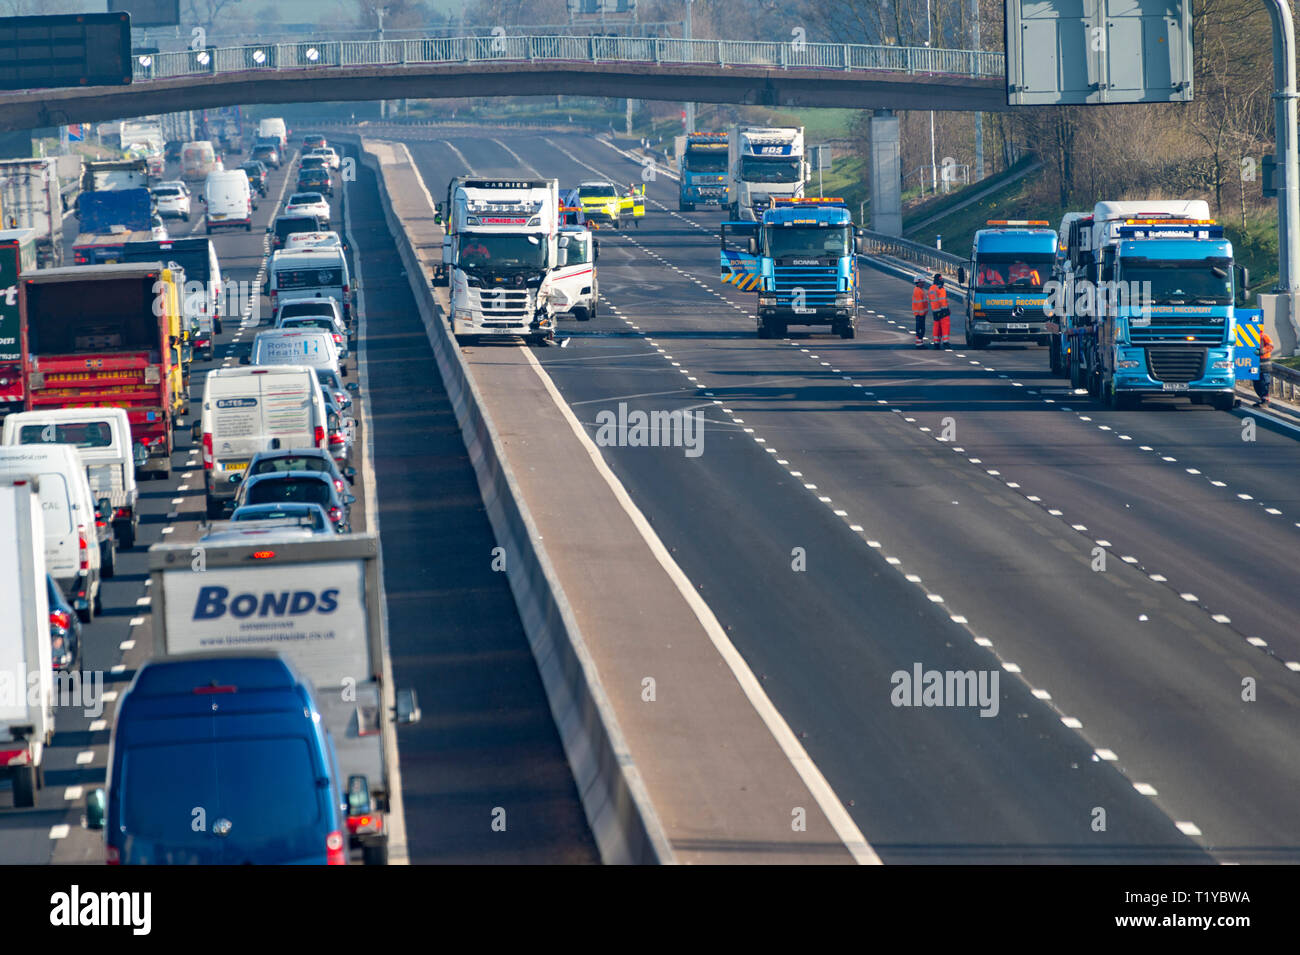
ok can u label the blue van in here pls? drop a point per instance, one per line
(221, 760)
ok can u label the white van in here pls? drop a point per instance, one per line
(313, 347)
(102, 437)
(246, 410)
(229, 200)
(274, 127)
(310, 273)
(72, 554)
(198, 159)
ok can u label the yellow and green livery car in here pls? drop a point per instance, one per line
(604, 205)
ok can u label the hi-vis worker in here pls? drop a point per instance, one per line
(939, 309)
(1264, 383)
(920, 308)
(1020, 272)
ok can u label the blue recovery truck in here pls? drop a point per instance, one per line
(1169, 325)
(1011, 263)
(704, 171)
(801, 260)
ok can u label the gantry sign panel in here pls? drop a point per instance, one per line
(1098, 51)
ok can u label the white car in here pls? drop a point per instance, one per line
(322, 313)
(157, 229)
(312, 240)
(172, 199)
(331, 157)
(308, 204)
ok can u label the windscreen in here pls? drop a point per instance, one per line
(81, 434)
(305, 197)
(306, 462)
(502, 251)
(309, 321)
(289, 489)
(265, 787)
(832, 242)
(313, 162)
(710, 160)
(305, 517)
(578, 254)
(1012, 271)
(601, 191)
(288, 225)
(1174, 282)
(322, 306)
(769, 169)
(166, 191)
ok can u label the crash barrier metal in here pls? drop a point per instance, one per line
(791, 55)
(614, 797)
(911, 253)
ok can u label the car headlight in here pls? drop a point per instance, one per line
(767, 300)
(1128, 363)
(844, 301)
(1223, 365)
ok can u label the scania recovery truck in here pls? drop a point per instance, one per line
(763, 163)
(801, 260)
(703, 171)
(1010, 265)
(1149, 303)
(499, 250)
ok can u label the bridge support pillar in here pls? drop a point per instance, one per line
(886, 174)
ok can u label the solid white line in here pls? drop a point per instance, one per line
(812, 777)
(517, 157)
(459, 155)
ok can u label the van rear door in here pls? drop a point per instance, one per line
(249, 411)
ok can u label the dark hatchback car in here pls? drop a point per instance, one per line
(312, 516)
(313, 141)
(241, 736)
(315, 180)
(308, 487)
(285, 226)
(268, 154)
(300, 459)
(65, 629)
(257, 173)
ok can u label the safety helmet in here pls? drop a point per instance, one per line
(920, 280)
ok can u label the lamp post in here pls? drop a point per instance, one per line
(690, 107)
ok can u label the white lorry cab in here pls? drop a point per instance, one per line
(27, 711)
(274, 126)
(574, 287)
(499, 253)
(764, 164)
(102, 438)
(72, 551)
(310, 273)
(247, 410)
(228, 198)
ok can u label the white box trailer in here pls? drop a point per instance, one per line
(26, 661)
(30, 196)
(317, 602)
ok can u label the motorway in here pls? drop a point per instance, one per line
(486, 739)
(860, 507)
(1127, 572)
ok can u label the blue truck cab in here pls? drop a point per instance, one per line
(801, 259)
(1010, 263)
(221, 760)
(1170, 328)
(703, 171)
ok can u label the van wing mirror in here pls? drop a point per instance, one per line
(961, 275)
(96, 809)
(407, 710)
(245, 360)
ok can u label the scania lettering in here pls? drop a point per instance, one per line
(763, 164)
(703, 171)
(1010, 265)
(253, 596)
(499, 254)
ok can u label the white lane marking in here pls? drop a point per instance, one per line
(812, 777)
(85, 756)
(60, 831)
(72, 793)
(517, 157)
(1145, 789)
(126, 645)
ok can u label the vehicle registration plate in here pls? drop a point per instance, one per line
(1017, 326)
(235, 465)
(1174, 386)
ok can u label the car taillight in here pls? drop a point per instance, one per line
(207, 450)
(320, 436)
(338, 484)
(336, 437)
(336, 514)
(111, 856)
(338, 339)
(83, 547)
(60, 619)
(121, 512)
(202, 342)
(334, 851)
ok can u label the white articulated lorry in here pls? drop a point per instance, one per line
(764, 163)
(26, 660)
(30, 197)
(499, 253)
(316, 601)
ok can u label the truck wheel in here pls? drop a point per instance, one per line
(374, 853)
(1225, 402)
(25, 787)
(214, 507)
(1094, 383)
(764, 330)
(125, 534)
(97, 605)
(582, 314)
(216, 326)
(974, 341)
(1053, 358)
(107, 560)
(844, 330)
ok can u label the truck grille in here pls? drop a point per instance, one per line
(1177, 328)
(504, 303)
(1176, 364)
(818, 284)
